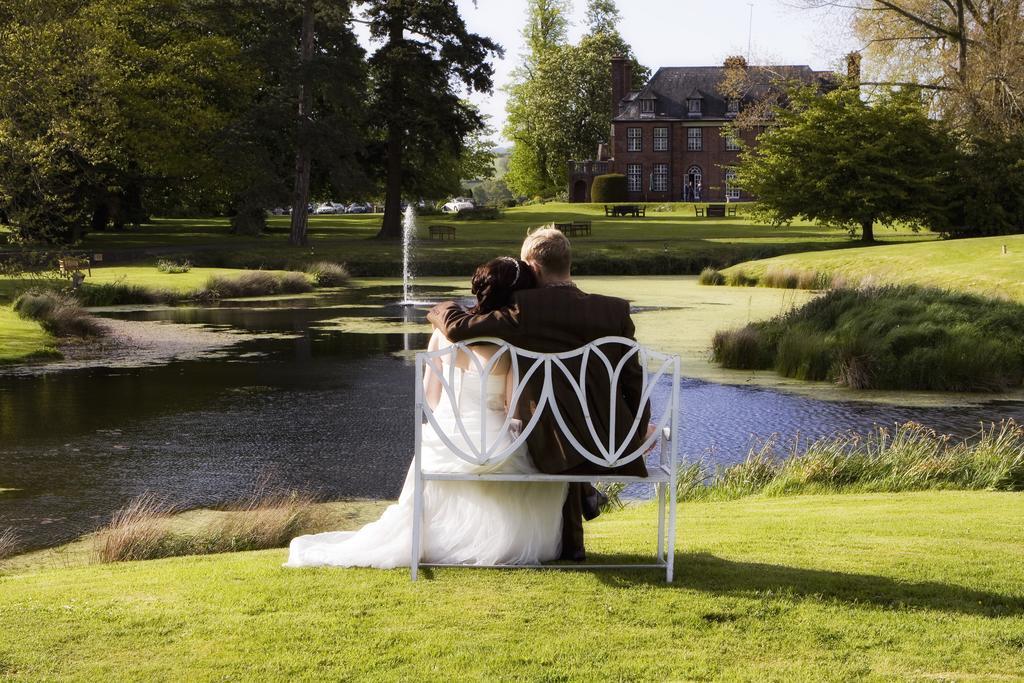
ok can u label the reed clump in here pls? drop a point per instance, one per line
(255, 283)
(894, 337)
(909, 457)
(328, 274)
(147, 529)
(711, 276)
(9, 543)
(59, 314)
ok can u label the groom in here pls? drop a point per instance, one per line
(557, 317)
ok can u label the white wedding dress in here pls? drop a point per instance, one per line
(465, 522)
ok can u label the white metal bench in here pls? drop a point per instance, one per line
(524, 366)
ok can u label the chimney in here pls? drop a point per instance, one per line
(622, 81)
(853, 68)
(738, 62)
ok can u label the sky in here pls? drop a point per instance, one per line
(676, 33)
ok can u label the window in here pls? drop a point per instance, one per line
(659, 179)
(693, 106)
(694, 139)
(661, 139)
(732, 192)
(732, 142)
(634, 140)
(647, 107)
(732, 107)
(634, 177)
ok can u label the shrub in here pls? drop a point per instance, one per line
(173, 267)
(711, 276)
(609, 188)
(60, 314)
(479, 213)
(327, 274)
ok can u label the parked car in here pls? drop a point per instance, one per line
(360, 207)
(329, 208)
(458, 204)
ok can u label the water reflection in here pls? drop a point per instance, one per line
(318, 407)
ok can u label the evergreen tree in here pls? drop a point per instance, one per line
(419, 122)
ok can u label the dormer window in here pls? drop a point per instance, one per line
(694, 106)
(647, 107)
(732, 107)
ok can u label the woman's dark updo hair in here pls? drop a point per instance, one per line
(496, 281)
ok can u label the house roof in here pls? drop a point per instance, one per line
(673, 85)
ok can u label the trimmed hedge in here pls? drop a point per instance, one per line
(609, 188)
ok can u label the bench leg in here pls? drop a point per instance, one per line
(661, 521)
(417, 526)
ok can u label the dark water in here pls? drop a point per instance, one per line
(307, 406)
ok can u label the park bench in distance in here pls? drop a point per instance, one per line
(69, 265)
(575, 229)
(442, 232)
(714, 211)
(635, 210)
(472, 445)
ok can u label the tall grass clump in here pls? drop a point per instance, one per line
(888, 338)
(255, 283)
(9, 543)
(123, 294)
(788, 278)
(59, 314)
(328, 274)
(740, 279)
(146, 528)
(267, 519)
(141, 531)
(742, 348)
(711, 276)
(173, 267)
(909, 457)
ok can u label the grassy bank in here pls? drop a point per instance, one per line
(674, 241)
(22, 340)
(826, 588)
(888, 338)
(976, 266)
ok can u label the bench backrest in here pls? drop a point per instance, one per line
(491, 446)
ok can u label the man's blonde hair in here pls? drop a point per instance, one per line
(549, 248)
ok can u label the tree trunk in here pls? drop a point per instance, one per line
(303, 154)
(867, 231)
(391, 227)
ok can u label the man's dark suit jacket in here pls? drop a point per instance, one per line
(552, 320)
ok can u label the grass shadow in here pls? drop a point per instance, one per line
(712, 574)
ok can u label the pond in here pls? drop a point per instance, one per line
(311, 393)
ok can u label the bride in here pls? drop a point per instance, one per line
(464, 522)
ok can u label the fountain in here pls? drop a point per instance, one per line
(408, 235)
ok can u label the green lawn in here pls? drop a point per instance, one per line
(975, 265)
(22, 339)
(833, 588)
(674, 241)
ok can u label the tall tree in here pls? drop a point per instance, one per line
(304, 151)
(421, 122)
(967, 53)
(852, 164)
(559, 105)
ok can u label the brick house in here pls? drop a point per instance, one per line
(669, 139)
